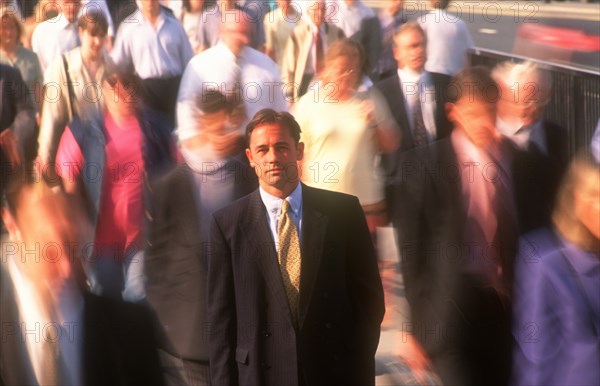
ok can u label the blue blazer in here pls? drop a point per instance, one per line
(556, 313)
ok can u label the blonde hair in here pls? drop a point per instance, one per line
(564, 217)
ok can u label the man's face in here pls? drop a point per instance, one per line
(476, 118)
(92, 43)
(411, 50)
(587, 201)
(520, 103)
(393, 6)
(274, 155)
(235, 31)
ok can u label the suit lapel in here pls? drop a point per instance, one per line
(255, 228)
(314, 224)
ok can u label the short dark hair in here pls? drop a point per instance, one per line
(94, 22)
(269, 116)
(475, 83)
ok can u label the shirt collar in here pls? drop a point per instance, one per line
(273, 204)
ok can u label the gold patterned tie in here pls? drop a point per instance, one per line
(289, 257)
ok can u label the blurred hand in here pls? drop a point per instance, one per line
(10, 147)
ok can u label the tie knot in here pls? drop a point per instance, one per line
(285, 206)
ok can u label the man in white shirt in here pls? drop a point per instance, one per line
(155, 47)
(248, 78)
(58, 35)
(449, 40)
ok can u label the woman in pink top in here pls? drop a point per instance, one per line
(119, 176)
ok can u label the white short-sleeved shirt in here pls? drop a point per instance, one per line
(215, 69)
(160, 52)
(448, 41)
(52, 38)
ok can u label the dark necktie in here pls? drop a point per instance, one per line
(419, 129)
(289, 257)
(236, 96)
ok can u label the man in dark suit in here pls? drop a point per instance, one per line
(212, 176)
(415, 96)
(540, 147)
(18, 131)
(295, 296)
(54, 332)
(457, 235)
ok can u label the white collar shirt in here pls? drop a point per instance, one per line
(153, 52)
(349, 18)
(52, 38)
(273, 210)
(215, 69)
(35, 324)
(418, 87)
(522, 136)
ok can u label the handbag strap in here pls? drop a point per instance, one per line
(70, 90)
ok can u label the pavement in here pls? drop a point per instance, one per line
(391, 368)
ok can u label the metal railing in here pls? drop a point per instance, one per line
(575, 95)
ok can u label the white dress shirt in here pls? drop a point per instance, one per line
(160, 52)
(349, 18)
(52, 38)
(215, 68)
(522, 136)
(273, 206)
(34, 323)
(448, 40)
(419, 87)
(311, 59)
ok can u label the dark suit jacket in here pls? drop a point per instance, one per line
(537, 178)
(118, 343)
(17, 113)
(252, 338)
(460, 319)
(393, 94)
(176, 266)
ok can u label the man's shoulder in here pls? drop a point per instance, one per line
(327, 200)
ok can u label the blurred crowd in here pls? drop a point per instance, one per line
(123, 129)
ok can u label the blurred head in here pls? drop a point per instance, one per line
(149, 7)
(472, 96)
(344, 63)
(193, 5)
(214, 110)
(93, 28)
(316, 11)
(410, 47)
(121, 93)
(235, 30)
(392, 7)
(70, 9)
(54, 225)
(577, 211)
(11, 29)
(525, 92)
(274, 149)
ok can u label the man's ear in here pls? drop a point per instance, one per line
(11, 225)
(249, 156)
(300, 153)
